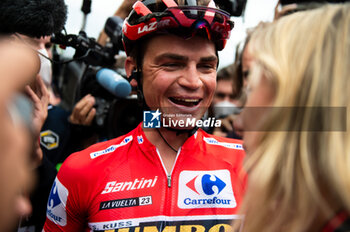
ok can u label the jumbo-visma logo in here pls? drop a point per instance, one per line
(206, 189)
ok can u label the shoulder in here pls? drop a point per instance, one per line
(103, 150)
(221, 142)
(220, 148)
(89, 162)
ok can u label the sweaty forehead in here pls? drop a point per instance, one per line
(170, 46)
(184, 58)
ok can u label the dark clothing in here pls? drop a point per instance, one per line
(339, 223)
(58, 139)
(46, 174)
(55, 135)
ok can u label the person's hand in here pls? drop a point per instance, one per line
(40, 97)
(125, 7)
(285, 9)
(232, 122)
(122, 12)
(84, 111)
(226, 126)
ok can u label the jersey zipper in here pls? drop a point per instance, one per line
(166, 172)
(169, 180)
(168, 191)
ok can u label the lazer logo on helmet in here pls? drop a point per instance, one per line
(148, 27)
(206, 189)
(153, 26)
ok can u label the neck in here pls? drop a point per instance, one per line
(170, 138)
(168, 143)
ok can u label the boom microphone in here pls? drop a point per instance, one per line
(34, 18)
(113, 28)
(113, 82)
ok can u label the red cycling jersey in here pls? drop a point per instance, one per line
(122, 185)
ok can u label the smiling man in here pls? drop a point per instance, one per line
(173, 177)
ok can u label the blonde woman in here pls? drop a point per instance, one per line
(298, 148)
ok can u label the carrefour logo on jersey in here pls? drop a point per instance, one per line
(206, 189)
(56, 205)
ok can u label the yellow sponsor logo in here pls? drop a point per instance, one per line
(179, 228)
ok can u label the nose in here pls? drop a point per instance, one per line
(190, 78)
(227, 98)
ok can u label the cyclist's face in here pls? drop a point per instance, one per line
(179, 76)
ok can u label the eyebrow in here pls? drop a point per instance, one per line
(209, 59)
(184, 58)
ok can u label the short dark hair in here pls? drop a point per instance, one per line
(226, 73)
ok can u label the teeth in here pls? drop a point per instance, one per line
(187, 100)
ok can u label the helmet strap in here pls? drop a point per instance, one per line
(137, 75)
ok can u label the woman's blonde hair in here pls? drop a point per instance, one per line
(300, 177)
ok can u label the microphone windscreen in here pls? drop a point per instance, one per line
(113, 82)
(34, 18)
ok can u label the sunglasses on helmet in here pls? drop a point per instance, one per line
(184, 21)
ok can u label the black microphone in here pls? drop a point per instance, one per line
(113, 29)
(86, 7)
(113, 82)
(34, 18)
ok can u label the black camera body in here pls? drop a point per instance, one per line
(114, 116)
